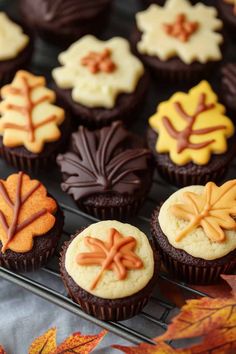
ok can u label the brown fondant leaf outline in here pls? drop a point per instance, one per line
(99, 164)
(12, 228)
(182, 29)
(213, 210)
(99, 62)
(183, 136)
(116, 254)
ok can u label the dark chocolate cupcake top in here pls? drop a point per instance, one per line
(201, 220)
(229, 85)
(28, 116)
(180, 29)
(25, 212)
(192, 126)
(101, 161)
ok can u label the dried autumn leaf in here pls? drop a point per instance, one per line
(2, 351)
(160, 348)
(212, 210)
(231, 280)
(25, 212)
(80, 344)
(28, 116)
(45, 344)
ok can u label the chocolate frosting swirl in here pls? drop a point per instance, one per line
(103, 161)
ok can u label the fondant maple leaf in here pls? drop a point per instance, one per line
(116, 254)
(25, 212)
(191, 126)
(213, 210)
(96, 163)
(28, 116)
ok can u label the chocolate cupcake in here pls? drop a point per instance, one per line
(179, 41)
(228, 78)
(16, 48)
(108, 171)
(194, 231)
(64, 21)
(227, 10)
(191, 139)
(109, 269)
(31, 223)
(33, 130)
(100, 81)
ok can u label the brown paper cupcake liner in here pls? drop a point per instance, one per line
(113, 212)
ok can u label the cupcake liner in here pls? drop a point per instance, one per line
(194, 274)
(113, 212)
(27, 265)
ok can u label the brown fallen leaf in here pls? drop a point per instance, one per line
(45, 344)
(80, 344)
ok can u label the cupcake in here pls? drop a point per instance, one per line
(32, 129)
(15, 50)
(195, 232)
(110, 269)
(227, 9)
(31, 223)
(228, 80)
(64, 21)
(191, 139)
(100, 81)
(178, 41)
(108, 172)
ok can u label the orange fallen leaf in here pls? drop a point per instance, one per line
(45, 344)
(220, 289)
(160, 348)
(2, 351)
(80, 344)
(231, 280)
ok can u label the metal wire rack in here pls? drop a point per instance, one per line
(119, 328)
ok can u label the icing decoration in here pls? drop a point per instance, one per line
(213, 211)
(203, 42)
(25, 212)
(28, 116)
(231, 2)
(97, 62)
(191, 126)
(99, 164)
(102, 89)
(117, 254)
(12, 38)
(182, 28)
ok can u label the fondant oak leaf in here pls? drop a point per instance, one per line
(25, 212)
(45, 344)
(28, 116)
(191, 126)
(97, 164)
(213, 210)
(116, 254)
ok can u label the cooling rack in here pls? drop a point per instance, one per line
(155, 316)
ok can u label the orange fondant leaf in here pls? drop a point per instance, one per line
(212, 210)
(80, 344)
(160, 348)
(45, 344)
(25, 212)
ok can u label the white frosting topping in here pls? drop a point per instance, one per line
(202, 46)
(196, 243)
(12, 38)
(100, 89)
(109, 287)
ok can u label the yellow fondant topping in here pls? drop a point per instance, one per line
(28, 116)
(192, 126)
(203, 45)
(12, 38)
(98, 89)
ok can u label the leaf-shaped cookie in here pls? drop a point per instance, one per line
(25, 212)
(213, 210)
(29, 118)
(80, 344)
(99, 162)
(45, 344)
